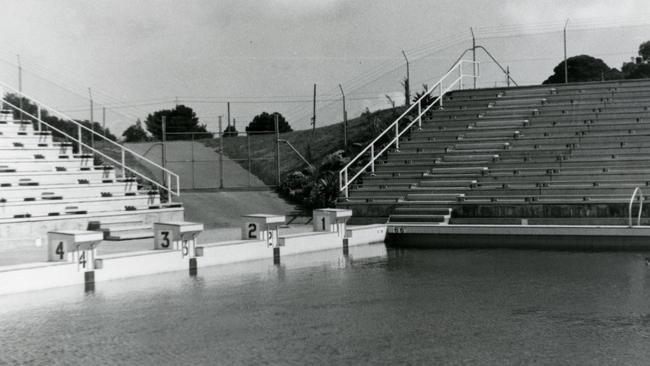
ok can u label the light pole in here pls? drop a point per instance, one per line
(566, 67)
(345, 120)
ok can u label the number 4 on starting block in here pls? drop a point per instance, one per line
(75, 246)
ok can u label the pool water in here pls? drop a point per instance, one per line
(373, 307)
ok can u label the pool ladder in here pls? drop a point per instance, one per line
(641, 199)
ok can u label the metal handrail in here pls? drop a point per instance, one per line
(169, 177)
(345, 181)
(641, 199)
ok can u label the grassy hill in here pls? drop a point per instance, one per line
(314, 146)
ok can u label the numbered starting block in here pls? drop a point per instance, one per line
(76, 246)
(332, 220)
(262, 227)
(179, 236)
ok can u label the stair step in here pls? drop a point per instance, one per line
(419, 218)
(128, 233)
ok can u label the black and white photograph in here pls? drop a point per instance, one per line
(325, 182)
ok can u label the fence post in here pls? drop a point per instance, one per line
(220, 154)
(248, 151)
(193, 163)
(277, 145)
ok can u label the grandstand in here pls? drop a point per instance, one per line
(53, 181)
(549, 154)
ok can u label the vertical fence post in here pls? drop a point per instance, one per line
(372, 162)
(346, 182)
(277, 144)
(248, 153)
(164, 147)
(220, 154)
(193, 163)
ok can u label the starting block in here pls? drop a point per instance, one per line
(332, 220)
(179, 236)
(262, 227)
(76, 246)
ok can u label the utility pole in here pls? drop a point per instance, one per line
(228, 104)
(407, 82)
(313, 118)
(20, 86)
(92, 124)
(473, 55)
(345, 120)
(508, 75)
(566, 67)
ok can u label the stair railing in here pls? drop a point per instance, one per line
(171, 181)
(629, 209)
(456, 74)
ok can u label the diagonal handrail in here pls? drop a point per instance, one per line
(169, 177)
(345, 181)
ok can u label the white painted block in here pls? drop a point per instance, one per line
(76, 246)
(331, 219)
(366, 234)
(262, 227)
(180, 235)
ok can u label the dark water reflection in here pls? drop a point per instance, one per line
(486, 307)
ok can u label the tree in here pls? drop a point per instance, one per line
(230, 131)
(583, 68)
(135, 133)
(180, 122)
(644, 50)
(265, 122)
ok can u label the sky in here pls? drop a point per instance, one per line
(139, 56)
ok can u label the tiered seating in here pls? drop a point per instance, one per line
(495, 150)
(41, 178)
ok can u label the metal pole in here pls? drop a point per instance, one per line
(220, 153)
(92, 124)
(566, 67)
(164, 138)
(473, 55)
(104, 121)
(248, 150)
(508, 75)
(193, 182)
(345, 120)
(313, 119)
(20, 86)
(407, 82)
(228, 104)
(277, 140)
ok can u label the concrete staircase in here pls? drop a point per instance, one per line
(571, 153)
